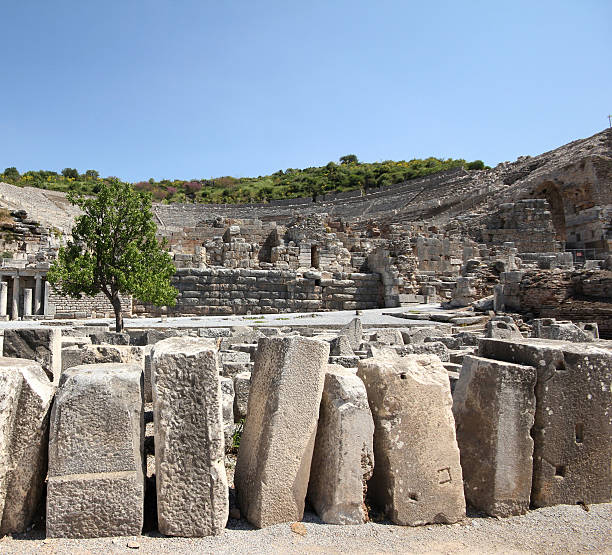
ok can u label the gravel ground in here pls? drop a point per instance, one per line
(560, 529)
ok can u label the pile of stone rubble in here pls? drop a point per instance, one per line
(409, 422)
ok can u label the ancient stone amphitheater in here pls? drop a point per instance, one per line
(465, 362)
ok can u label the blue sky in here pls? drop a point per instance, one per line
(195, 88)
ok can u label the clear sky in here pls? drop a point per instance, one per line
(197, 88)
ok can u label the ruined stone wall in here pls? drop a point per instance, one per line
(579, 296)
(526, 223)
(212, 291)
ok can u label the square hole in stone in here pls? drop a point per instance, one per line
(560, 471)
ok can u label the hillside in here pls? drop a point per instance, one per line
(348, 174)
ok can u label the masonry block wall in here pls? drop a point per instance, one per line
(67, 307)
(221, 291)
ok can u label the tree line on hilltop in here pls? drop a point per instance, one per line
(348, 174)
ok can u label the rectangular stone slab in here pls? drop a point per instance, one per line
(494, 406)
(417, 475)
(96, 463)
(192, 488)
(573, 429)
(44, 345)
(275, 454)
(23, 450)
(343, 457)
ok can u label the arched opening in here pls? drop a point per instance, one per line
(550, 192)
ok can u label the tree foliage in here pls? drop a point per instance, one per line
(349, 159)
(70, 172)
(114, 250)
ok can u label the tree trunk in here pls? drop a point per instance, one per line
(116, 302)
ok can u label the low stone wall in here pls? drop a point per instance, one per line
(217, 291)
(85, 307)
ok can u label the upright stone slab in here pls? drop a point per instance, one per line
(354, 332)
(343, 457)
(275, 454)
(25, 401)
(96, 464)
(192, 488)
(44, 345)
(573, 429)
(417, 476)
(494, 406)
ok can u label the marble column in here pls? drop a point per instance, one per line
(37, 294)
(46, 307)
(27, 302)
(15, 300)
(3, 298)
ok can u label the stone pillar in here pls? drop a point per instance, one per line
(192, 494)
(3, 298)
(280, 429)
(96, 437)
(27, 302)
(343, 457)
(46, 306)
(25, 397)
(37, 294)
(417, 474)
(494, 439)
(15, 301)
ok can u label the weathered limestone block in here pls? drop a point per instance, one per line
(464, 293)
(418, 334)
(340, 346)
(25, 401)
(103, 354)
(573, 431)
(388, 336)
(354, 332)
(417, 477)
(192, 488)
(549, 328)
(494, 406)
(273, 464)
(240, 334)
(431, 348)
(242, 385)
(227, 409)
(44, 345)
(343, 457)
(96, 477)
(109, 338)
(502, 330)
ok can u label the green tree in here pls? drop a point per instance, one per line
(70, 172)
(91, 174)
(349, 159)
(476, 165)
(114, 250)
(11, 173)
